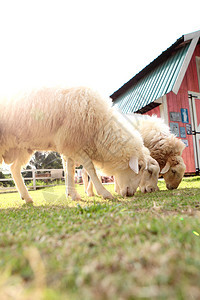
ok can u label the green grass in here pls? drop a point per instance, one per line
(145, 247)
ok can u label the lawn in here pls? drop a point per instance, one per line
(145, 247)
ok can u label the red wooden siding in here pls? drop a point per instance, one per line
(190, 80)
(176, 102)
(154, 111)
(197, 104)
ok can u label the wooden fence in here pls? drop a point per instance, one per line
(49, 175)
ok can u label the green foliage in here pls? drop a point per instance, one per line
(46, 160)
(6, 183)
(147, 246)
(45, 182)
(27, 174)
(2, 175)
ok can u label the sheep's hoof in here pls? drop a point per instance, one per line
(28, 200)
(90, 194)
(107, 195)
(76, 197)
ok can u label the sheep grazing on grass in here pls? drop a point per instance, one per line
(164, 147)
(149, 178)
(80, 125)
(148, 182)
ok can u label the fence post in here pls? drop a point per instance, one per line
(34, 181)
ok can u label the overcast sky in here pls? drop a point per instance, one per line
(101, 44)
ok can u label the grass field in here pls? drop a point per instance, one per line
(145, 247)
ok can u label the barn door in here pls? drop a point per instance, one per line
(194, 100)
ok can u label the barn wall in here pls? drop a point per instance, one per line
(190, 80)
(154, 111)
(176, 102)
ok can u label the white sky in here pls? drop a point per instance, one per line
(101, 44)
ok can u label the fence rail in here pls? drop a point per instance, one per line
(53, 174)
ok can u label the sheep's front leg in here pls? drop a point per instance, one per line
(19, 182)
(69, 179)
(88, 165)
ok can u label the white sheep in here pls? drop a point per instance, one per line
(80, 125)
(164, 147)
(149, 178)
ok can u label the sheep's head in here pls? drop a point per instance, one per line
(173, 172)
(127, 181)
(150, 175)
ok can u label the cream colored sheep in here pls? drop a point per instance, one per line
(148, 182)
(78, 124)
(164, 147)
(149, 179)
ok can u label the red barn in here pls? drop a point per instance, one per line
(170, 88)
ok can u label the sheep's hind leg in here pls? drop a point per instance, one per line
(88, 165)
(69, 168)
(19, 182)
(88, 186)
(85, 179)
(90, 191)
(117, 190)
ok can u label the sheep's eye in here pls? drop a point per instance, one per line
(173, 171)
(139, 167)
(150, 172)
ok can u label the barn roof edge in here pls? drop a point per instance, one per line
(164, 55)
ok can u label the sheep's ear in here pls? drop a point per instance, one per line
(133, 164)
(166, 168)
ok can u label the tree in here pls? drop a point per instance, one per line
(2, 175)
(46, 160)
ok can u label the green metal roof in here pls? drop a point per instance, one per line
(153, 85)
